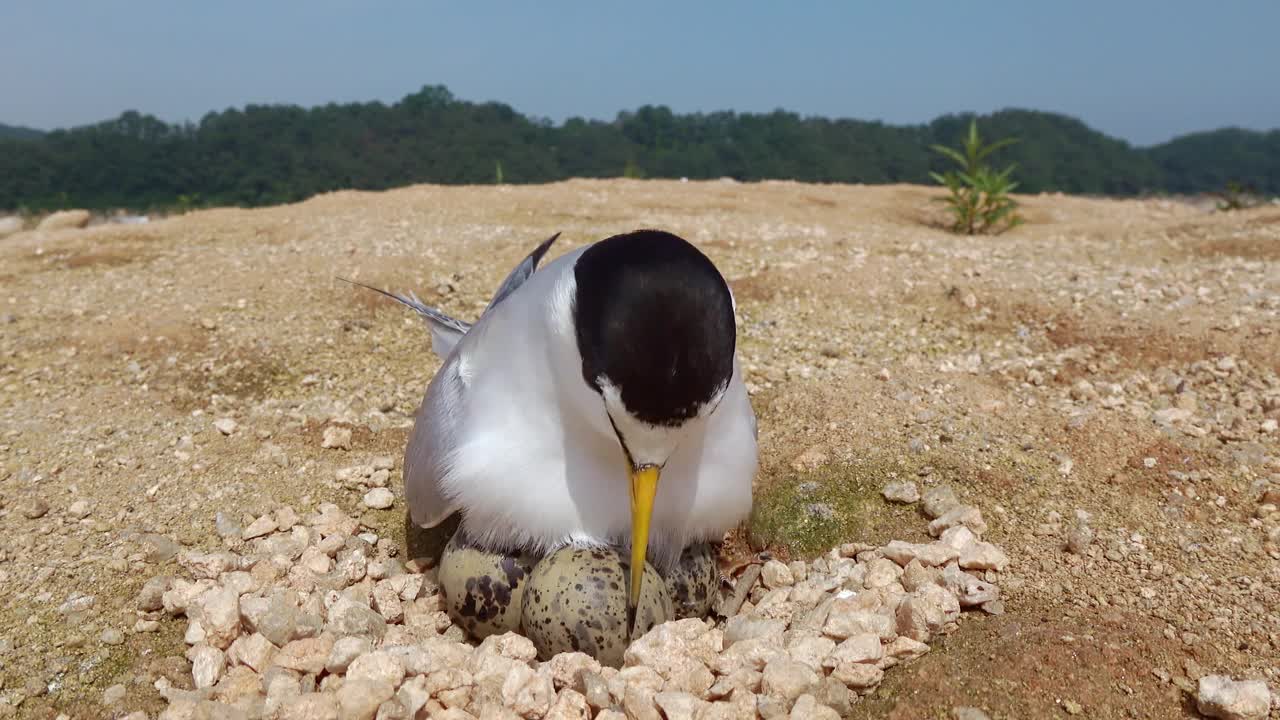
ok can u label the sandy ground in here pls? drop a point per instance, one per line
(1111, 364)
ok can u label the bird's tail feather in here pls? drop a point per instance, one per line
(446, 331)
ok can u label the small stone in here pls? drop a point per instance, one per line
(336, 438)
(379, 498)
(966, 515)
(1219, 696)
(858, 676)
(112, 636)
(861, 648)
(883, 375)
(226, 426)
(968, 713)
(220, 617)
(775, 575)
(252, 650)
(983, 556)
(377, 667)
(307, 655)
(787, 679)
(207, 664)
(359, 699)
(114, 695)
(344, 651)
(1072, 707)
(939, 500)
(807, 707)
(35, 508)
(901, 491)
(79, 509)
(1079, 538)
(311, 706)
(151, 597)
(262, 526)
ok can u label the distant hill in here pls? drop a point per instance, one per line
(15, 132)
(266, 154)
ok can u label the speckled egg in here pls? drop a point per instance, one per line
(483, 590)
(576, 600)
(693, 582)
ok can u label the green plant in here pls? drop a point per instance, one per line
(1234, 197)
(498, 173)
(978, 195)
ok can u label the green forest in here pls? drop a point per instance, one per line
(269, 154)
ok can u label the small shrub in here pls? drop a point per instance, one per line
(1235, 197)
(978, 196)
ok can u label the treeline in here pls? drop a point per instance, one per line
(273, 154)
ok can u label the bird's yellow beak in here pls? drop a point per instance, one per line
(644, 486)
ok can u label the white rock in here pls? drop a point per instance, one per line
(226, 426)
(336, 438)
(1222, 697)
(774, 574)
(379, 667)
(807, 707)
(262, 526)
(967, 515)
(379, 498)
(857, 676)
(983, 556)
(862, 648)
(79, 509)
(811, 650)
(207, 664)
(220, 617)
(526, 692)
(848, 618)
(678, 705)
(359, 699)
(344, 651)
(787, 679)
(252, 650)
(312, 706)
(901, 491)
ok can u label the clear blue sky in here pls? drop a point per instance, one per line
(1143, 70)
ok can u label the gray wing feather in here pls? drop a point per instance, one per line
(446, 331)
(521, 272)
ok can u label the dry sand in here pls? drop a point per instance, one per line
(1110, 365)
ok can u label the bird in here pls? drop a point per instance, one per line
(597, 401)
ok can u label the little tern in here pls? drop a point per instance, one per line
(597, 401)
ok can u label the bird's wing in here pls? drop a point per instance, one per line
(446, 331)
(521, 272)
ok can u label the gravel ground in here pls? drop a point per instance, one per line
(1101, 383)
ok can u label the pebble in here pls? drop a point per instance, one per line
(901, 491)
(226, 426)
(379, 498)
(336, 437)
(112, 636)
(1219, 696)
(939, 500)
(968, 713)
(35, 508)
(328, 624)
(79, 509)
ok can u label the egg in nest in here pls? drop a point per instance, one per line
(576, 600)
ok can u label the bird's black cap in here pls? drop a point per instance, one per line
(654, 316)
